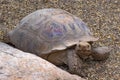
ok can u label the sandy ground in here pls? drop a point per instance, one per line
(102, 16)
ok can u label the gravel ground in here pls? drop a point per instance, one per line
(102, 16)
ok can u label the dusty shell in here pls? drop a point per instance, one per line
(47, 30)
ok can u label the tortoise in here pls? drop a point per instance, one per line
(58, 37)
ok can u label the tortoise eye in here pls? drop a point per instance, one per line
(88, 47)
(79, 46)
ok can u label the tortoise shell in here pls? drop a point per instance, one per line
(47, 30)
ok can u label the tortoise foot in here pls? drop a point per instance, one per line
(101, 53)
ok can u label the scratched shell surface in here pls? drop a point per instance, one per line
(46, 30)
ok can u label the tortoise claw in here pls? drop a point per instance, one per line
(101, 53)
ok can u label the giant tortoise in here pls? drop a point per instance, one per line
(57, 36)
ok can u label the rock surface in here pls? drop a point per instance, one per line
(19, 65)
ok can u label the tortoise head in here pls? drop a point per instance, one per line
(83, 49)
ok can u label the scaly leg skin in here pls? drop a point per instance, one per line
(74, 63)
(101, 53)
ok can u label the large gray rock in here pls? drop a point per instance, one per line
(19, 65)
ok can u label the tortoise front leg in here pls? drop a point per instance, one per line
(100, 53)
(74, 63)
